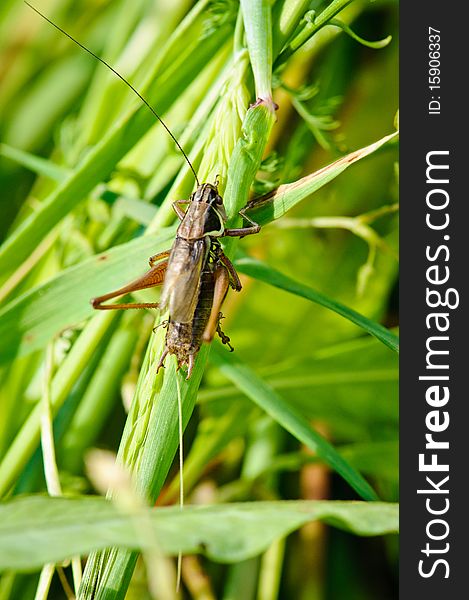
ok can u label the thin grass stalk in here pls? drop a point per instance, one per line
(51, 470)
(270, 571)
(312, 25)
(212, 437)
(50, 464)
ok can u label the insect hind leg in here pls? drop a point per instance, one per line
(152, 278)
(224, 338)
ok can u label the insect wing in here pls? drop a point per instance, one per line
(182, 281)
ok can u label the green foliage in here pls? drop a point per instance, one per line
(306, 408)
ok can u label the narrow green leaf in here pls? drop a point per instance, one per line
(257, 19)
(267, 398)
(275, 204)
(258, 270)
(36, 530)
(38, 165)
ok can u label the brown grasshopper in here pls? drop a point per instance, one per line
(196, 255)
(184, 339)
(192, 268)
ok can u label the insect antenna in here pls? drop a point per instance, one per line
(127, 83)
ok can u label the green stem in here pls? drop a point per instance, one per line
(312, 26)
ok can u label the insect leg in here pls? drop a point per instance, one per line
(152, 278)
(163, 324)
(222, 283)
(224, 338)
(161, 361)
(180, 213)
(242, 231)
(234, 278)
(156, 257)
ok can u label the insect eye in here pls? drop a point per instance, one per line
(219, 200)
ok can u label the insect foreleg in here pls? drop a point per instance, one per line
(243, 231)
(180, 213)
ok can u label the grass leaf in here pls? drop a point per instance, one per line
(257, 19)
(258, 270)
(276, 203)
(37, 164)
(36, 530)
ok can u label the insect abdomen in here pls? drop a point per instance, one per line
(185, 339)
(203, 309)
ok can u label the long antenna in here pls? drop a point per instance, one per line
(122, 79)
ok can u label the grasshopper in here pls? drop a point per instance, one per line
(195, 251)
(195, 273)
(184, 339)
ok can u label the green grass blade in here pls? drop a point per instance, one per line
(38, 165)
(257, 19)
(258, 270)
(36, 530)
(264, 396)
(275, 204)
